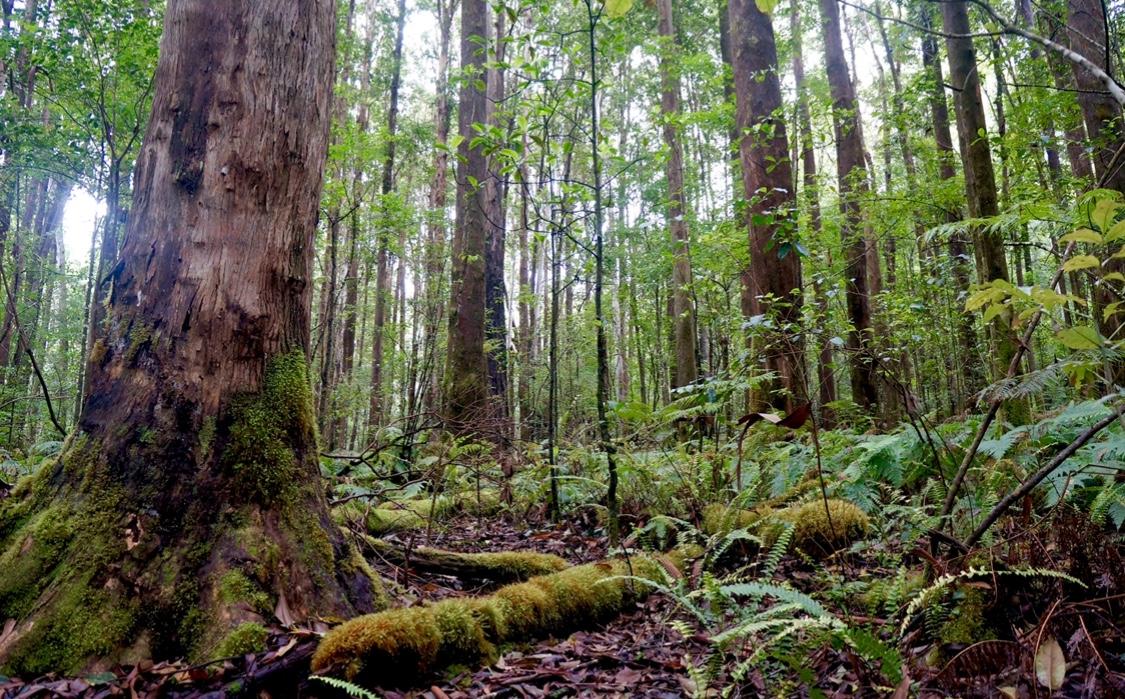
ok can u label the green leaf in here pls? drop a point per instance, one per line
(766, 6)
(1118, 231)
(1080, 338)
(1085, 235)
(1103, 212)
(616, 9)
(1081, 262)
(993, 311)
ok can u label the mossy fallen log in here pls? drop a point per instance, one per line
(817, 531)
(504, 567)
(400, 515)
(404, 645)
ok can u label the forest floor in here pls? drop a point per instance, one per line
(639, 654)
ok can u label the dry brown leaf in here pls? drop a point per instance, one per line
(1050, 664)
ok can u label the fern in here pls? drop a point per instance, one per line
(928, 595)
(773, 558)
(351, 689)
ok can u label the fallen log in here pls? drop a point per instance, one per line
(402, 646)
(504, 567)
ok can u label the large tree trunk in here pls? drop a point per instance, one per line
(466, 372)
(852, 174)
(188, 506)
(683, 310)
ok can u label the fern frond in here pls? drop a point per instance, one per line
(352, 689)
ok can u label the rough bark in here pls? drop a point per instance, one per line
(767, 175)
(188, 504)
(466, 372)
(683, 310)
(852, 174)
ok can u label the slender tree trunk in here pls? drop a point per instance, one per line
(683, 310)
(382, 271)
(852, 174)
(971, 378)
(826, 376)
(980, 180)
(496, 293)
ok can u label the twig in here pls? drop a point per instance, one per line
(27, 348)
(1037, 477)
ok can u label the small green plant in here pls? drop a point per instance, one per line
(352, 689)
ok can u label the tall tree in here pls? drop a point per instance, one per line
(496, 292)
(767, 176)
(683, 310)
(1086, 25)
(980, 178)
(383, 240)
(826, 377)
(195, 462)
(852, 174)
(465, 388)
(971, 378)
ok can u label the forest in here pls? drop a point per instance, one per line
(571, 348)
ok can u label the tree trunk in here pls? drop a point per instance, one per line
(980, 179)
(188, 505)
(683, 311)
(382, 272)
(852, 174)
(466, 373)
(496, 293)
(1086, 23)
(826, 377)
(972, 379)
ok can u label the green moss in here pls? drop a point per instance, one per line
(721, 519)
(140, 333)
(966, 624)
(269, 427)
(235, 587)
(404, 644)
(207, 436)
(244, 639)
(821, 530)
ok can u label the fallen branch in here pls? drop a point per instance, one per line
(504, 567)
(1037, 477)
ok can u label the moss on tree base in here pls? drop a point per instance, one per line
(403, 645)
(142, 541)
